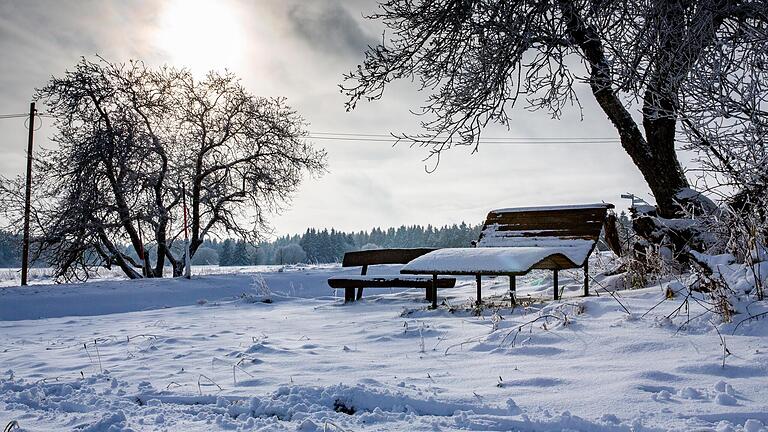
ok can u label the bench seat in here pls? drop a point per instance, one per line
(384, 281)
(350, 283)
(384, 256)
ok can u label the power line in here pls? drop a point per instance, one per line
(408, 136)
(516, 141)
(25, 115)
(420, 139)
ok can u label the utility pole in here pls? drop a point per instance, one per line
(27, 198)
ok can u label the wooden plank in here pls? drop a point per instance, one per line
(546, 219)
(554, 225)
(545, 213)
(383, 256)
(579, 231)
(389, 282)
(536, 221)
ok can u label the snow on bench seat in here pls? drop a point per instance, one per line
(386, 281)
(365, 278)
(495, 260)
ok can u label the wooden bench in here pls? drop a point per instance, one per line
(515, 241)
(384, 256)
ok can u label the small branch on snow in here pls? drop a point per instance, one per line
(200, 384)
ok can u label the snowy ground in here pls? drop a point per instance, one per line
(11, 277)
(202, 355)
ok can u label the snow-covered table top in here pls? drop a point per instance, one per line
(554, 208)
(494, 260)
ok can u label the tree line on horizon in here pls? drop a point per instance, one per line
(318, 246)
(315, 246)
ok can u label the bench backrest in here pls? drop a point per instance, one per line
(543, 226)
(383, 256)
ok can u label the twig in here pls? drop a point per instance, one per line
(749, 318)
(467, 341)
(90, 359)
(237, 366)
(199, 385)
(611, 293)
(173, 383)
(726, 351)
(654, 307)
(98, 356)
(520, 327)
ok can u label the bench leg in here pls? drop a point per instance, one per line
(363, 272)
(586, 278)
(479, 290)
(349, 295)
(512, 289)
(557, 288)
(434, 291)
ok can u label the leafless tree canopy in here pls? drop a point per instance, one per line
(674, 60)
(132, 142)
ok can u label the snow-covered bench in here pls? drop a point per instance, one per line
(384, 256)
(515, 241)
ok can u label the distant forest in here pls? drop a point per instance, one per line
(10, 250)
(328, 246)
(314, 246)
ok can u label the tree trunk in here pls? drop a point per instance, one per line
(661, 168)
(176, 265)
(654, 154)
(117, 256)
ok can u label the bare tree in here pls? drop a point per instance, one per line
(480, 58)
(130, 139)
(243, 155)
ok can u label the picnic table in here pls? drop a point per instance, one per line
(514, 241)
(367, 258)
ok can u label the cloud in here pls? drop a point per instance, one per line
(329, 27)
(300, 49)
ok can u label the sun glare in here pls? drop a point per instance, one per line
(201, 35)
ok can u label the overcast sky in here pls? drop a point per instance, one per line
(300, 49)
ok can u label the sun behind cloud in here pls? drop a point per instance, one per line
(202, 35)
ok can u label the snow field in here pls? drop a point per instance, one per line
(199, 355)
